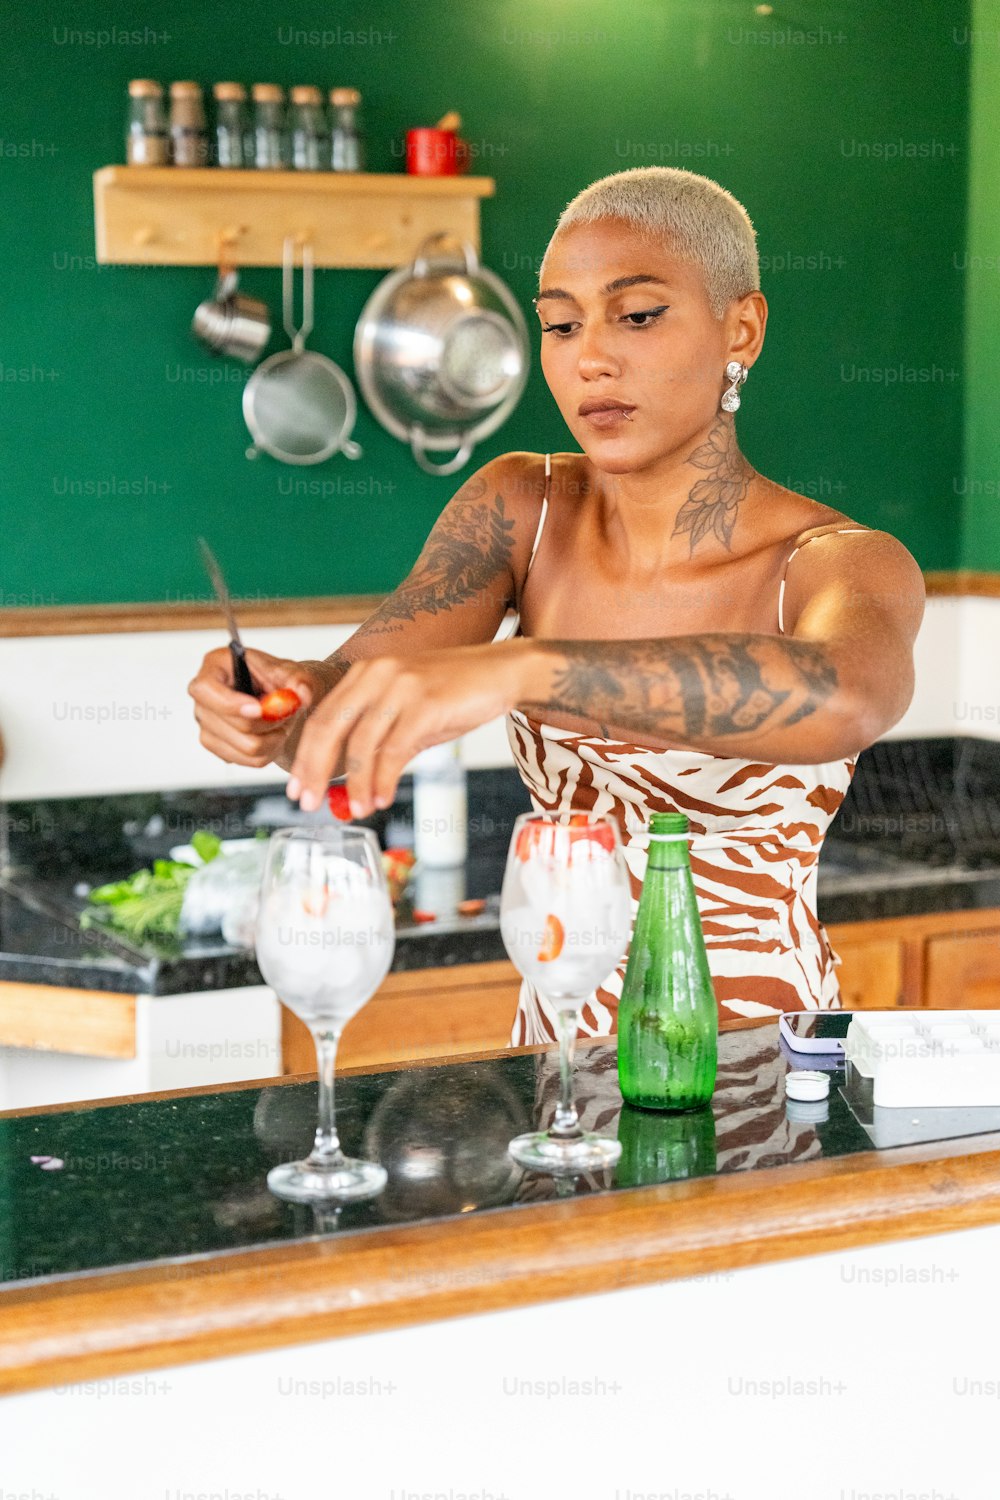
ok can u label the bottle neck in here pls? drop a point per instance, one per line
(668, 851)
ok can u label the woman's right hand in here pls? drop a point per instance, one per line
(231, 723)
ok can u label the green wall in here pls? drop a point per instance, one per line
(857, 399)
(977, 487)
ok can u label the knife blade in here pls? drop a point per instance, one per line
(242, 680)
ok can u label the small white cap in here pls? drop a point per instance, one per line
(804, 1083)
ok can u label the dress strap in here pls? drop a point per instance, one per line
(545, 511)
(841, 531)
(514, 628)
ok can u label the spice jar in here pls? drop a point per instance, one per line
(347, 147)
(147, 143)
(269, 128)
(188, 137)
(233, 138)
(310, 132)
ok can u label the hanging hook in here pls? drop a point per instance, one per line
(226, 243)
(298, 335)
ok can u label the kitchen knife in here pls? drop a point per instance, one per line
(242, 680)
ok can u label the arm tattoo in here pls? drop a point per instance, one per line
(468, 551)
(712, 505)
(698, 686)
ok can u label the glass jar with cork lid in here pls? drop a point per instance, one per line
(147, 140)
(309, 130)
(188, 136)
(269, 127)
(233, 137)
(347, 146)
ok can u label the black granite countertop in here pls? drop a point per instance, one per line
(919, 831)
(91, 1189)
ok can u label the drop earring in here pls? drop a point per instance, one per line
(736, 374)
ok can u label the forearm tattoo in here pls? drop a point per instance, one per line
(696, 687)
(467, 554)
(711, 507)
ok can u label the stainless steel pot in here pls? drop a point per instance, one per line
(441, 353)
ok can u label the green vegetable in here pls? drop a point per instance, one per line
(150, 900)
(206, 845)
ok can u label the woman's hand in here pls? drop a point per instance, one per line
(387, 708)
(232, 726)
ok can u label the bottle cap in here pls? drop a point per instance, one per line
(268, 93)
(345, 96)
(306, 93)
(185, 90)
(145, 88)
(229, 91)
(805, 1083)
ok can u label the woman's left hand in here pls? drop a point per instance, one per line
(387, 708)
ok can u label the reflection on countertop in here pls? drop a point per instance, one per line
(919, 831)
(164, 1179)
(171, 1178)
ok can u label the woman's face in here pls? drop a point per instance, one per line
(631, 324)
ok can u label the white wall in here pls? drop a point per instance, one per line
(86, 714)
(82, 715)
(868, 1374)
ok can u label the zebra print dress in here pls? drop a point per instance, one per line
(756, 834)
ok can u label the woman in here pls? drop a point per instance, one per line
(682, 646)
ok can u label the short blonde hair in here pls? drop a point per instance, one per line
(701, 220)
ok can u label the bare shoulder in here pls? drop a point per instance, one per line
(860, 566)
(514, 482)
(867, 573)
(792, 516)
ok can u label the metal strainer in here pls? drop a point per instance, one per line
(299, 406)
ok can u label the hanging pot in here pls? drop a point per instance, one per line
(441, 353)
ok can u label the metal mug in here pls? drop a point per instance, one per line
(231, 323)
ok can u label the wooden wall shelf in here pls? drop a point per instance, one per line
(178, 216)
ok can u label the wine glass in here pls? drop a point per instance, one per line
(565, 919)
(325, 940)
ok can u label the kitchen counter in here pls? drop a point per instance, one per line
(919, 832)
(153, 1239)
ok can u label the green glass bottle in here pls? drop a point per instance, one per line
(668, 1023)
(665, 1148)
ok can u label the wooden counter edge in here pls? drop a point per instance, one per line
(102, 1325)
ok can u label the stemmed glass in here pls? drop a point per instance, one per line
(325, 940)
(565, 919)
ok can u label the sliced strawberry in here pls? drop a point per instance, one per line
(553, 939)
(530, 838)
(315, 903)
(339, 801)
(600, 833)
(279, 704)
(400, 856)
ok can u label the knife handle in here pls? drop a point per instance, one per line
(242, 681)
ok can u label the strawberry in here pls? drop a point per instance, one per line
(552, 941)
(601, 833)
(339, 802)
(315, 903)
(279, 704)
(529, 839)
